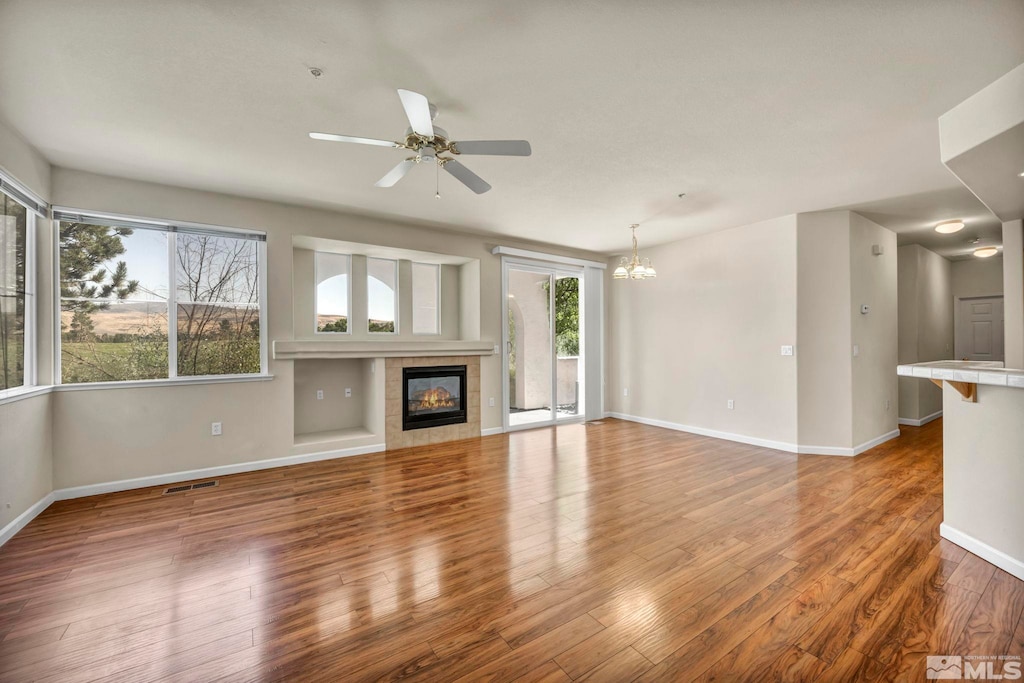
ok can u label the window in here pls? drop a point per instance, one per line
(218, 317)
(426, 285)
(382, 294)
(125, 285)
(15, 293)
(333, 291)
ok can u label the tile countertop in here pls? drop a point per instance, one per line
(976, 372)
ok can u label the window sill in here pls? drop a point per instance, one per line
(173, 381)
(22, 393)
(14, 395)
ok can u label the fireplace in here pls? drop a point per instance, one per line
(433, 396)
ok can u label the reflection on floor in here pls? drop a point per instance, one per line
(612, 551)
(518, 418)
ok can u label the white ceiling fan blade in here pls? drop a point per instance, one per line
(503, 148)
(348, 138)
(396, 174)
(466, 177)
(417, 108)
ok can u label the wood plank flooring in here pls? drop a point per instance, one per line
(606, 552)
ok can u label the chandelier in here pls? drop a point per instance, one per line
(635, 268)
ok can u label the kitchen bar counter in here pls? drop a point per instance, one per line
(982, 457)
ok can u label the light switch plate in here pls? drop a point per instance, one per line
(348, 392)
(787, 350)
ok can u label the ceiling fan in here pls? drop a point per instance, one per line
(429, 142)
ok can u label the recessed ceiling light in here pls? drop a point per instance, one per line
(946, 227)
(985, 252)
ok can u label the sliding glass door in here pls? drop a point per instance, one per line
(543, 344)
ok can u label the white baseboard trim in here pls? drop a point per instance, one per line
(877, 441)
(728, 436)
(983, 550)
(911, 422)
(765, 443)
(19, 522)
(491, 431)
(207, 472)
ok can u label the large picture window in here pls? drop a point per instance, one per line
(14, 293)
(126, 285)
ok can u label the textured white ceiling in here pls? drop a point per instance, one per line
(754, 109)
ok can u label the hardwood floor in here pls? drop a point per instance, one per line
(607, 552)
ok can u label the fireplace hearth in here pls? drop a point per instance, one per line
(433, 396)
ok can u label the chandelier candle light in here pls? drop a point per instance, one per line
(634, 269)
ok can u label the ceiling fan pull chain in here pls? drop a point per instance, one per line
(437, 181)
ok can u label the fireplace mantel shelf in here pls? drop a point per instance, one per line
(302, 350)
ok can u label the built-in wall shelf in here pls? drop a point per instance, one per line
(304, 350)
(332, 435)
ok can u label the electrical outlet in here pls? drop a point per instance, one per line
(216, 429)
(497, 348)
(731, 404)
(888, 404)
(625, 391)
(856, 350)
(787, 350)
(319, 394)
(490, 401)
(348, 392)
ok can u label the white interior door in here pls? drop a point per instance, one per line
(979, 329)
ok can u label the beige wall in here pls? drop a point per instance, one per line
(982, 467)
(707, 330)
(1013, 292)
(978, 277)
(925, 325)
(823, 349)
(26, 453)
(26, 463)
(873, 282)
(167, 429)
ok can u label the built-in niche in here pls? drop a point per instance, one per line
(339, 402)
(342, 318)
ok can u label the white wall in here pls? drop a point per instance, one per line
(1013, 292)
(26, 454)
(982, 468)
(873, 283)
(166, 429)
(925, 325)
(707, 330)
(978, 277)
(823, 343)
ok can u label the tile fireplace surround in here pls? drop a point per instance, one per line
(395, 437)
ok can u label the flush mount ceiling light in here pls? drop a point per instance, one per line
(947, 227)
(985, 252)
(634, 268)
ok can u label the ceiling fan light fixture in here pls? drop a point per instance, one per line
(949, 227)
(986, 252)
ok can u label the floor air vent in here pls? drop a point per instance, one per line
(189, 487)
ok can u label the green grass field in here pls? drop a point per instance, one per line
(146, 359)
